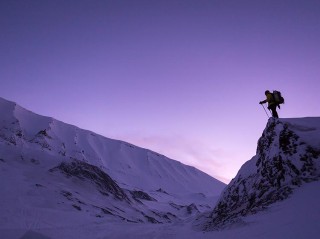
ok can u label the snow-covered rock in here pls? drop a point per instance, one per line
(287, 157)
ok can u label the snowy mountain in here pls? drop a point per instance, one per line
(57, 175)
(59, 181)
(287, 158)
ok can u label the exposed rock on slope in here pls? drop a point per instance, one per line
(105, 184)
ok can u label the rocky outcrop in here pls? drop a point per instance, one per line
(283, 162)
(140, 195)
(90, 173)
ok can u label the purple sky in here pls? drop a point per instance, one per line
(182, 78)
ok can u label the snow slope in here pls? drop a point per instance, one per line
(54, 175)
(294, 218)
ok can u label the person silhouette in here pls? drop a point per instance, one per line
(272, 105)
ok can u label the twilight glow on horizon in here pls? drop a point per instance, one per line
(183, 78)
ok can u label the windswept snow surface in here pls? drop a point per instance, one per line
(295, 218)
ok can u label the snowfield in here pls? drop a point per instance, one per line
(60, 181)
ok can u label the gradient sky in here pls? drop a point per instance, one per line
(179, 77)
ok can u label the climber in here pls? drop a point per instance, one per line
(272, 105)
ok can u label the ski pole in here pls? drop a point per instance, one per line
(265, 111)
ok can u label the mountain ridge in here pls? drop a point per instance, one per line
(62, 171)
(73, 142)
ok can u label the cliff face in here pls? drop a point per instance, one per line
(287, 157)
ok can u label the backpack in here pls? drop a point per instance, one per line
(277, 97)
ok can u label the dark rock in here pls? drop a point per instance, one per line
(87, 172)
(142, 195)
(160, 190)
(77, 207)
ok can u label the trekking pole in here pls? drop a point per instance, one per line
(265, 111)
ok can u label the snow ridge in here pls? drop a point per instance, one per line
(128, 164)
